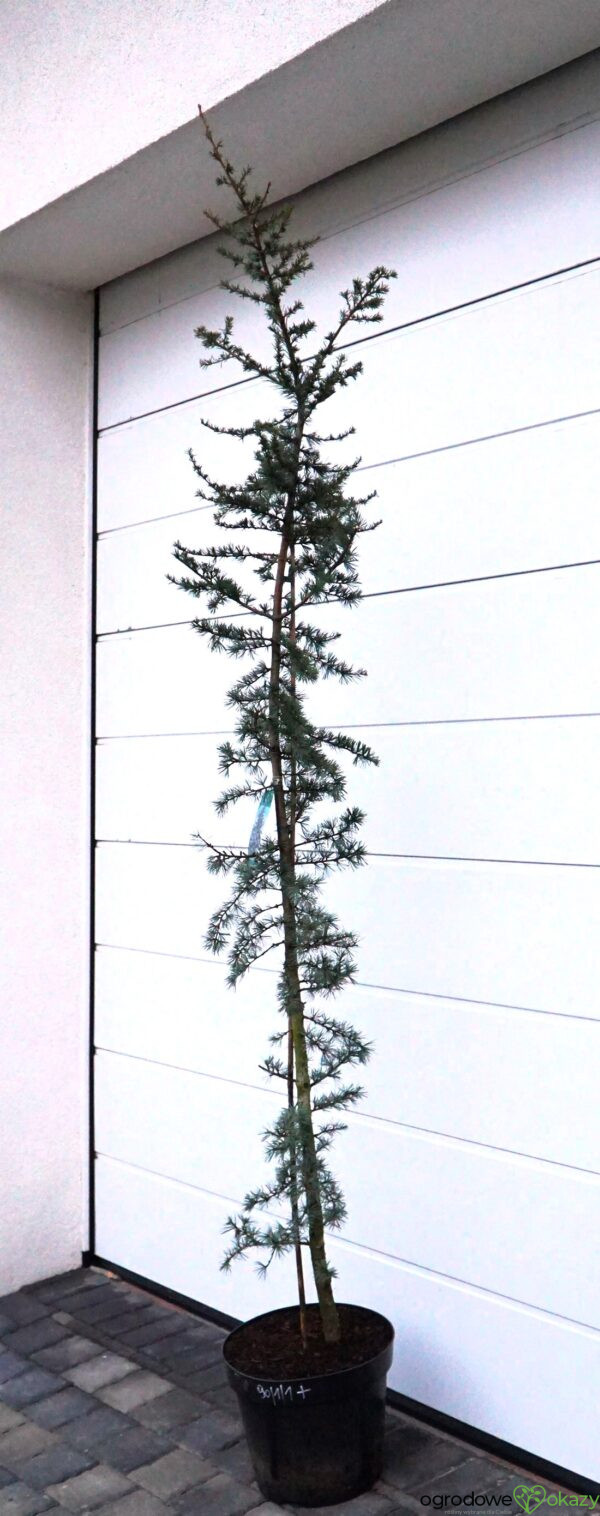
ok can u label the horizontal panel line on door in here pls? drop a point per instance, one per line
(387, 207)
(363, 1115)
(402, 326)
(360, 984)
(128, 526)
(406, 589)
(450, 447)
(360, 1247)
(365, 468)
(364, 726)
(537, 863)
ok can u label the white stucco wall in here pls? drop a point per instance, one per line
(89, 82)
(45, 339)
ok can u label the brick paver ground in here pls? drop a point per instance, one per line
(116, 1403)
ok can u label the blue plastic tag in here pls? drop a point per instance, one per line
(264, 806)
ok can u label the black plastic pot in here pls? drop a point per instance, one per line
(316, 1440)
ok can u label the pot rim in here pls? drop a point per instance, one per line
(271, 1377)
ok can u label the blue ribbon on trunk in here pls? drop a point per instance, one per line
(264, 806)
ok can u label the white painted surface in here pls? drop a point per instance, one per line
(516, 646)
(478, 1092)
(163, 362)
(125, 74)
(434, 162)
(458, 1347)
(493, 508)
(315, 89)
(514, 934)
(474, 1196)
(46, 345)
(516, 790)
(467, 1176)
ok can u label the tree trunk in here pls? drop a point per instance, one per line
(294, 1194)
(286, 841)
(329, 1313)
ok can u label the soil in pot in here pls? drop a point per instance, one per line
(313, 1417)
(272, 1345)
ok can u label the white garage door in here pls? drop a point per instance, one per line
(472, 1169)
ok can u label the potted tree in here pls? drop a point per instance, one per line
(310, 1378)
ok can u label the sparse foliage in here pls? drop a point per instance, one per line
(294, 550)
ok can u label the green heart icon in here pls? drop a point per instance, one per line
(529, 1496)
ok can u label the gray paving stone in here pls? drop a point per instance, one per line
(194, 1375)
(412, 1433)
(187, 1368)
(190, 1430)
(268, 1509)
(200, 1337)
(475, 1475)
(223, 1398)
(21, 1309)
(157, 1330)
(505, 1490)
(403, 1508)
(212, 1431)
(53, 1465)
(221, 1496)
(9, 1418)
(11, 1364)
(176, 1472)
(99, 1313)
(38, 1334)
(209, 1330)
(93, 1276)
(23, 1442)
(176, 1408)
(93, 1488)
(134, 1316)
(60, 1284)
(401, 1501)
(372, 1503)
(58, 1409)
(136, 1389)
(414, 1457)
(235, 1460)
(20, 1500)
(184, 1358)
(86, 1299)
(134, 1448)
(34, 1384)
(67, 1354)
(96, 1373)
(139, 1503)
(90, 1433)
(200, 1331)
(200, 1380)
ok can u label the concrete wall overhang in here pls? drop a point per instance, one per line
(404, 67)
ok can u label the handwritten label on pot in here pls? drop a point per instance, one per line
(278, 1393)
